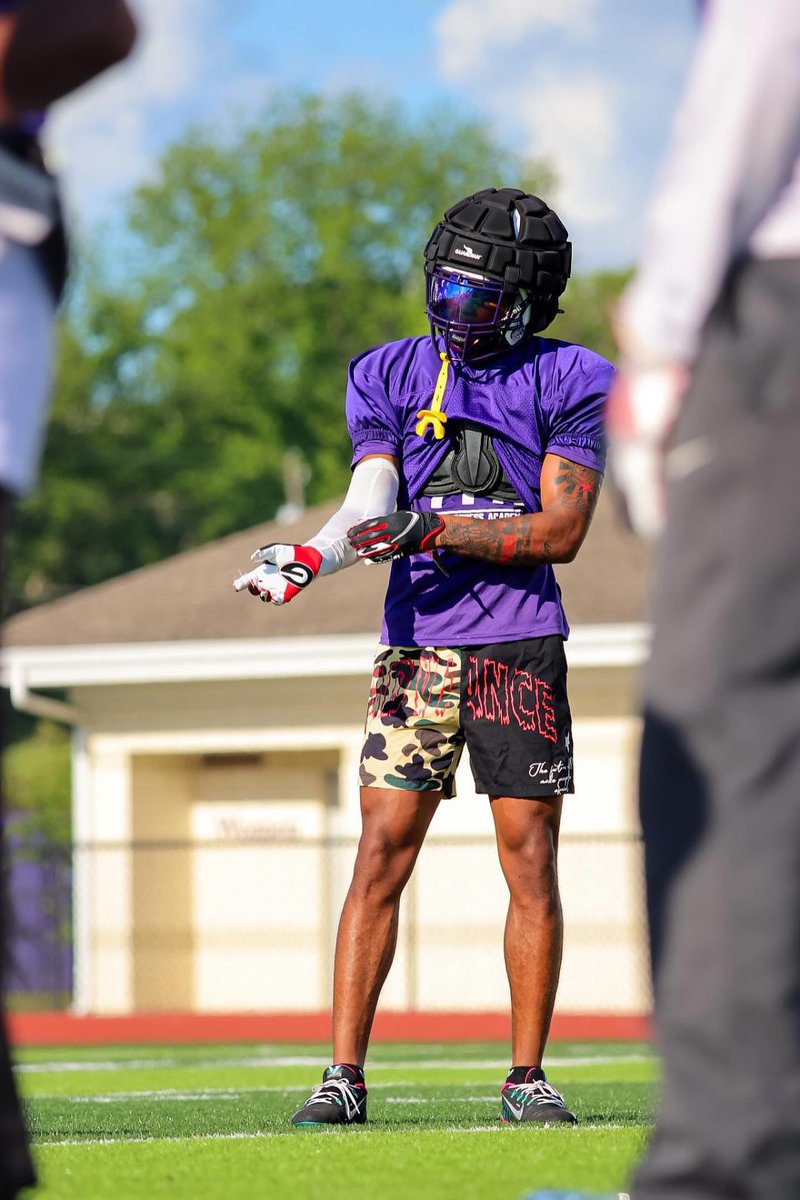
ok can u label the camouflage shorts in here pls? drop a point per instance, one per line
(507, 703)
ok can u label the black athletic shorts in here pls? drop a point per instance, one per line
(507, 702)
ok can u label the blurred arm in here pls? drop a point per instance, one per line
(734, 147)
(49, 48)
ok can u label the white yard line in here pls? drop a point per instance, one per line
(495, 1128)
(168, 1094)
(193, 1137)
(222, 1093)
(248, 1137)
(494, 1099)
(56, 1068)
(239, 1093)
(147, 1064)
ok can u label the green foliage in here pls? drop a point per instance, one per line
(37, 784)
(588, 304)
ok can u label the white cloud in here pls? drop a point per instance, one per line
(98, 138)
(548, 101)
(173, 53)
(468, 41)
(573, 123)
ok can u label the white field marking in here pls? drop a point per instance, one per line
(191, 1137)
(231, 1094)
(249, 1137)
(497, 1128)
(55, 1068)
(167, 1094)
(141, 1064)
(216, 1093)
(495, 1099)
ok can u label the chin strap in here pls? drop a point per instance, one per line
(434, 416)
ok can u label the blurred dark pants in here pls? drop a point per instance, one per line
(16, 1168)
(720, 770)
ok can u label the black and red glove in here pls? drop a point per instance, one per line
(396, 535)
(285, 570)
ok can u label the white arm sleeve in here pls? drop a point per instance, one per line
(372, 492)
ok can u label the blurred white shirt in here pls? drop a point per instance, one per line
(730, 183)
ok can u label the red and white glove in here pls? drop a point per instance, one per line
(284, 572)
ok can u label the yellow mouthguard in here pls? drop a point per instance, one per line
(434, 416)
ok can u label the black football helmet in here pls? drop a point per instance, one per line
(495, 267)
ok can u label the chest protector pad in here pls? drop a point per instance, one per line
(471, 465)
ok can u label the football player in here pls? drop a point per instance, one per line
(477, 462)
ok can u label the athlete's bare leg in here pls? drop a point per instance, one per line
(394, 824)
(527, 843)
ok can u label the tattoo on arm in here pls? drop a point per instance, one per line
(577, 486)
(551, 536)
(510, 541)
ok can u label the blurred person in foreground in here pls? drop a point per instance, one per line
(47, 49)
(489, 439)
(704, 422)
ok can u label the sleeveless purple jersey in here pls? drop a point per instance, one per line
(547, 397)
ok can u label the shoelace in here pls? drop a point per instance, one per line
(539, 1091)
(328, 1091)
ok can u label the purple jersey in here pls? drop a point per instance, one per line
(545, 398)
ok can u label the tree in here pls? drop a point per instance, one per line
(588, 303)
(258, 267)
(37, 782)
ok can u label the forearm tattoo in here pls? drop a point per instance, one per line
(550, 536)
(506, 540)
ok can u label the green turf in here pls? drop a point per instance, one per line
(197, 1123)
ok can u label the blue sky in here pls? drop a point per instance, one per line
(589, 84)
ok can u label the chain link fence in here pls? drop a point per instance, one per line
(38, 881)
(250, 925)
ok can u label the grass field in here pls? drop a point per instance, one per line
(211, 1122)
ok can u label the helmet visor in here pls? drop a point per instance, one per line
(458, 300)
(476, 317)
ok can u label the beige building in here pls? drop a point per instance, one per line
(215, 799)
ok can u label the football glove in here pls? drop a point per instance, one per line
(284, 572)
(396, 535)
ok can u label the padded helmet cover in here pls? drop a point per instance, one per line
(511, 236)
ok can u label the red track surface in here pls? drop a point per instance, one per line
(64, 1029)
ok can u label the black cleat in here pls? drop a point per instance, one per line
(534, 1100)
(341, 1099)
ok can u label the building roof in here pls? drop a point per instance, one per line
(190, 598)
